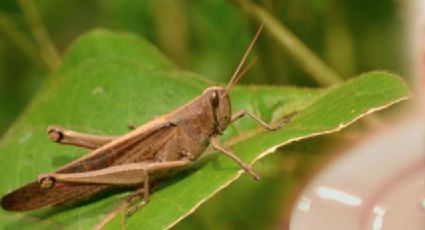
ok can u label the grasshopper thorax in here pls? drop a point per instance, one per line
(218, 99)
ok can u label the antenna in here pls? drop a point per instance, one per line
(236, 76)
(243, 72)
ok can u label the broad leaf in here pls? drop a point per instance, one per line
(110, 80)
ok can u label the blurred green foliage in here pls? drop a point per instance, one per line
(209, 37)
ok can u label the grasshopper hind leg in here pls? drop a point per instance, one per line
(70, 137)
(144, 191)
(126, 174)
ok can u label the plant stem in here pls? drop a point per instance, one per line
(47, 49)
(20, 40)
(308, 61)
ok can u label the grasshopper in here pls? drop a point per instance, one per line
(150, 152)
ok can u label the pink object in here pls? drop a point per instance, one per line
(377, 184)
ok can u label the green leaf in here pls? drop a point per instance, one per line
(109, 80)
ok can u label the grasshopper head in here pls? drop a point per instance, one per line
(219, 100)
(218, 97)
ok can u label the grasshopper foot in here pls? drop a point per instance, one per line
(275, 127)
(131, 210)
(131, 126)
(132, 197)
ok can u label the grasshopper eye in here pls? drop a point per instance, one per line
(215, 100)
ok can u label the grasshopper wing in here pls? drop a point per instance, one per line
(136, 146)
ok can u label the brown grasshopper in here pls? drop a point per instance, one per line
(162, 146)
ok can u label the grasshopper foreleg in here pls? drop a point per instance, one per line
(242, 113)
(70, 137)
(216, 145)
